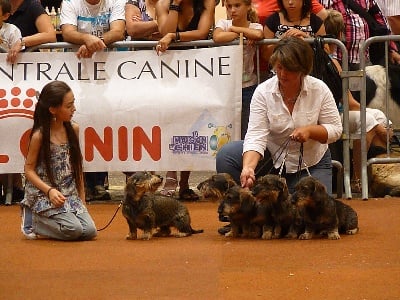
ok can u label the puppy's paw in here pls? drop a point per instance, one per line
(291, 235)
(352, 231)
(146, 235)
(333, 235)
(231, 234)
(131, 236)
(267, 235)
(306, 236)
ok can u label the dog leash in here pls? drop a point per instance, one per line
(302, 161)
(281, 148)
(108, 224)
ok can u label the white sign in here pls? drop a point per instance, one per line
(136, 110)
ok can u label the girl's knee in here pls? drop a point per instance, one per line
(90, 232)
(71, 231)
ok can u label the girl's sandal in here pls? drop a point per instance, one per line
(169, 191)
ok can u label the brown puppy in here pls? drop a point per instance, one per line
(276, 213)
(241, 208)
(321, 212)
(146, 211)
(216, 186)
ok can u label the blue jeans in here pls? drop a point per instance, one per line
(65, 226)
(229, 160)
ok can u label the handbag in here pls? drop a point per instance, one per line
(376, 50)
(325, 69)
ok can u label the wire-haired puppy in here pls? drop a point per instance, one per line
(321, 212)
(276, 213)
(146, 211)
(241, 208)
(214, 189)
(216, 186)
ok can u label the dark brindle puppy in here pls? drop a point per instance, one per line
(321, 212)
(146, 211)
(276, 213)
(241, 208)
(214, 189)
(216, 186)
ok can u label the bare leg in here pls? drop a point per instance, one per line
(170, 185)
(184, 180)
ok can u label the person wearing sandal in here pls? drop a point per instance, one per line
(171, 184)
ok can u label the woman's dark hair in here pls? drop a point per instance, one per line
(52, 95)
(198, 7)
(305, 9)
(294, 54)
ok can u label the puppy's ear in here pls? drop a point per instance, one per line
(246, 201)
(319, 190)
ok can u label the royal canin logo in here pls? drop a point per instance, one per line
(17, 104)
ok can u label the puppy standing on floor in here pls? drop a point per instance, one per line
(241, 207)
(321, 212)
(276, 213)
(146, 211)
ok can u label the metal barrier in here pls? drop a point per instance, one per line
(364, 162)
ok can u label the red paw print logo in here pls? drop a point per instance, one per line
(17, 104)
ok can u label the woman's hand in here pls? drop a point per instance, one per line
(295, 32)
(13, 52)
(164, 43)
(301, 135)
(247, 177)
(56, 198)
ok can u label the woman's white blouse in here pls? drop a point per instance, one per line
(271, 123)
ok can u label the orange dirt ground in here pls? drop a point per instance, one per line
(204, 266)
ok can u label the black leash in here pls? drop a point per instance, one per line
(281, 148)
(108, 224)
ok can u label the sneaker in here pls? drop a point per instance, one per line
(27, 223)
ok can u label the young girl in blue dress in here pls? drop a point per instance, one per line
(54, 200)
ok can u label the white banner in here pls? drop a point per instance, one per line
(136, 110)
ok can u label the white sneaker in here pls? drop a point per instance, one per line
(26, 224)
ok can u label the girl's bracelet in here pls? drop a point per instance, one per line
(48, 191)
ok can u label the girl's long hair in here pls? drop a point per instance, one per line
(52, 95)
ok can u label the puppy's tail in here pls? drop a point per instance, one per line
(194, 231)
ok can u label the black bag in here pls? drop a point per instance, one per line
(376, 50)
(325, 69)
